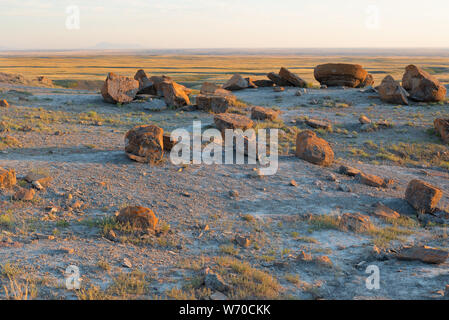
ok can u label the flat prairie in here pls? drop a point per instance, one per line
(193, 70)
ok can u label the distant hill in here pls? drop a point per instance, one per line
(115, 46)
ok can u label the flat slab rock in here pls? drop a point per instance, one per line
(423, 254)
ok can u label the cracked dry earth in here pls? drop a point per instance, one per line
(78, 140)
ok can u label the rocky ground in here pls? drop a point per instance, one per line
(78, 140)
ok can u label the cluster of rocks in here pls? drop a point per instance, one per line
(120, 89)
(33, 181)
(417, 85)
(284, 78)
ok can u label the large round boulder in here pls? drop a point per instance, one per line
(138, 218)
(342, 74)
(313, 149)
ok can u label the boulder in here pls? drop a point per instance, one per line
(237, 82)
(391, 91)
(424, 254)
(292, 78)
(261, 113)
(356, 222)
(442, 127)
(215, 103)
(232, 121)
(277, 80)
(138, 218)
(145, 144)
(118, 89)
(146, 86)
(264, 83)
(157, 80)
(423, 196)
(422, 86)
(313, 149)
(7, 178)
(4, 103)
(341, 74)
(174, 94)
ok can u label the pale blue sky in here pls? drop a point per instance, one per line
(41, 24)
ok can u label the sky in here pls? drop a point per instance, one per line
(168, 24)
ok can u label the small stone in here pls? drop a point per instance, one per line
(279, 89)
(371, 180)
(243, 241)
(319, 124)
(382, 211)
(349, 171)
(364, 120)
(127, 263)
(4, 103)
(293, 183)
(324, 261)
(24, 194)
(344, 187)
(37, 185)
(218, 296)
(215, 282)
(356, 222)
(304, 256)
(234, 194)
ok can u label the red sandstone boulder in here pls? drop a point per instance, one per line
(313, 149)
(342, 74)
(145, 144)
(391, 91)
(422, 86)
(118, 89)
